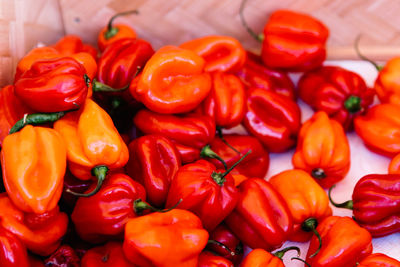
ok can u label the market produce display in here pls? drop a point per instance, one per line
(126, 155)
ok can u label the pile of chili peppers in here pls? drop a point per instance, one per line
(119, 156)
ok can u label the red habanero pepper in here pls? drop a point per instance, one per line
(12, 250)
(62, 257)
(153, 162)
(341, 93)
(189, 132)
(256, 164)
(104, 215)
(379, 128)
(378, 260)
(376, 203)
(261, 218)
(173, 81)
(344, 243)
(260, 258)
(255, 74)
(208, 259)
(52, 85)
(170, 239)
(225, 236)
(108, 255)
(274, 119)
(207, 192)
(221, 53)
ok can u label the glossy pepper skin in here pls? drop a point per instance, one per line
(204, 192)
(208, 259)
(293, 41)
(225, 236)
(381, 122)
(305, 198)
(92, 140)
(256, 164)
(12, 250)
(341, 93)
(108, 255)
(379, 260)
(103, 216)
(63, 256)
(394, 166)
(34, 162)
(226, 101)
(387, 84)
(322, 150)
(153, 162)
(344, 243)
(40, 233)
(272, 118)
(189, 132)
(173, 81)
(254, 74)
(173, 238)
(261, 218)
(261, 258)
(53, 85)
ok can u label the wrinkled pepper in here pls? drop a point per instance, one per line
(189, 132)
(103, 216)
(255, 75)
(260, 258)
(108, 255)
(225, 236)
(273, 118)
(344, 243)
(226, 101)
(208, 259)
(12, 250)
(376, 203)
(34, 162)
(94, 145)
(379, 260)
(341, 93)
(40, 233)
(208, 192)
(153, 162)
(173, 81)
(221, 53)
(322, 150)
(64, 256)
(387, 84)
(379, 128)
(261, 218)
(256, 164)
(170, 239)
(53, 85)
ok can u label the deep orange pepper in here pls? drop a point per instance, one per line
(72, 44)
(379, 260)
(261, 258)
(221, 53)
(170, 239)
(34, 162)
(110, 254)
(307, 201)
(173, 81)
(394, 166)
(323, 150)
(94, 145)
(387, 84)
(40, 233)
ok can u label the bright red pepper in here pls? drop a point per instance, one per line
(64, 256)
(108, 255)
(189, 132)
(344, 243)
(261, 218)
(53, 85)
(221, 53)
(294, 41)
(153, 162)
(379, 260)
(256, 164)
(208, 259)
(12, 250)
(206, 191)
(274, 119)
(255, 75)
(104, 215)
(341, 93)
(225, 236)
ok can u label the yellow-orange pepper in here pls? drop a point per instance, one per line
(387, 84)
(323, 150)
(94, 145)
(34, 162)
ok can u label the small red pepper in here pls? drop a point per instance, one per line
(108, 255)
(12, 250)
(208, 259)
(378, 260)
(261, 218)
(225, 236)
(62, 257)
(189, 132)
(153, 162)
(273, 118)
(341, 93)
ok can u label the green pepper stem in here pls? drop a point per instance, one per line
(139, 206)
(100, 172)
(219, 178)
(101, 87)
(258, 37)
(111, 31)
(347, 204)
(222, 245)
(353, 104)
(357, 48)
(310, 225)
(209, 153)
(219, 132)
(282, 252)
(318, 173)
(299, 259)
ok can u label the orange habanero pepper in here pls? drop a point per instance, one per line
(323, 150)
(387, 84)
(34, 162)
(261, 258)
(94, 145)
